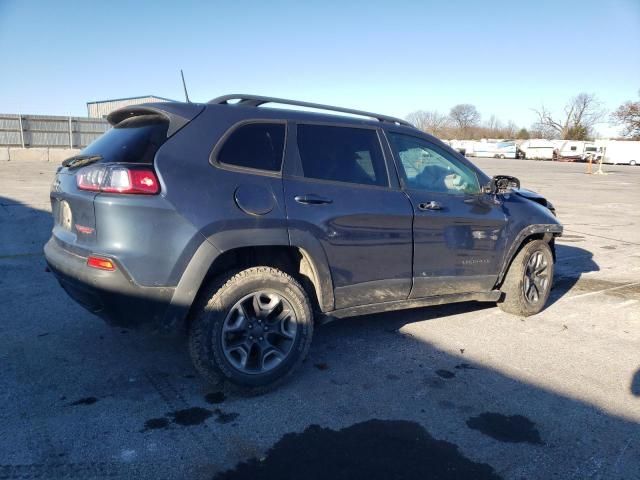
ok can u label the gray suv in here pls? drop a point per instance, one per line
(245, 226)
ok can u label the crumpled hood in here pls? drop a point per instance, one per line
(535, 197)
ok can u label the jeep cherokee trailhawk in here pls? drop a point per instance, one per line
(244, 225)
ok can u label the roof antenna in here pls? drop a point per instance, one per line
(186, 95)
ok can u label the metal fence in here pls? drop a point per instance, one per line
(49, 131)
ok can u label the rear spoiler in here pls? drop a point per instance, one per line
(178, 114)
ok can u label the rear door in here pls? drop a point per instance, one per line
(458, 229)
(338, 193)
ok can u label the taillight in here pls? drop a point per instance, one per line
(118, 179)
(91, 178)
(101, 263)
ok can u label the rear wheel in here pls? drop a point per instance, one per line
(253, 331)
(527, 285)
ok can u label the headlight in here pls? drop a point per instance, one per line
(551, 207)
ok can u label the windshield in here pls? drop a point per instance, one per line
(134, 140)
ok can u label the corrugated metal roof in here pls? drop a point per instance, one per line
(103, 108)
(133, 98)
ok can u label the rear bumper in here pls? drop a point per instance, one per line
(113, 296)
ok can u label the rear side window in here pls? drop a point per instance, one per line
(255, 145)
(133, 140)
(341, 154)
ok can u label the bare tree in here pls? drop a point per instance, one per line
(628, 115)
(493, 127)
(510, 130)
(539, 130)
(432, 122)
(464, 116)
(581, 114)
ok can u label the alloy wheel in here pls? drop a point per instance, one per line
(258, 333)
(536, 277)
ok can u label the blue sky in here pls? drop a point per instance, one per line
(391, 57)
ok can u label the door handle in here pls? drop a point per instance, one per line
(312, 199)
(432, 205)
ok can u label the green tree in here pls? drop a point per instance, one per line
(577, 132)
(523, 134)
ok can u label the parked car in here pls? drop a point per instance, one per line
(246, 226)
(591, 151)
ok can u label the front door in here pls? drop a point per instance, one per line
(338, 193)
(458, 229)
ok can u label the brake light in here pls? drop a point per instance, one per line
(118, 180)
(101, 263)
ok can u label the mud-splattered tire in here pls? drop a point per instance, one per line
(253, 329)
(528, 282)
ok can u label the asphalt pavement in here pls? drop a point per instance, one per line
(457, 391)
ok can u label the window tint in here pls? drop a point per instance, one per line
(341, 154)
(133, 140)
(433, 169)
(255, 145)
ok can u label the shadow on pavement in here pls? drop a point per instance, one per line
(571, 263)
(635, 384)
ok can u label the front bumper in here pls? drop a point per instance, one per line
(113, 296)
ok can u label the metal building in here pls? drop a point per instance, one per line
(102, 108)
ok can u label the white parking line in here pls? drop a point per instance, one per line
(605, 290)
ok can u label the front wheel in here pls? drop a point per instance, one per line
(527, 285)
(254, 330)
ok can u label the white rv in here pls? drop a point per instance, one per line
(573, 150)
(505, 149)
(620, 151)
(537, 149)
(484, 149)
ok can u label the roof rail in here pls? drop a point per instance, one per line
(257, 100)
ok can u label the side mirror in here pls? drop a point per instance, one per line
(503, 184)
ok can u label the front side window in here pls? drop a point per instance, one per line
(341, 154)
(432, 169)
(255, 145)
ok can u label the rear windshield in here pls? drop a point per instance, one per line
(133, 140)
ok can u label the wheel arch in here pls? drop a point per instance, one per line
(208, 262)
(548, 233)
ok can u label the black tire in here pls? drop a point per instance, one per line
(514, 299)
(206, 332)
